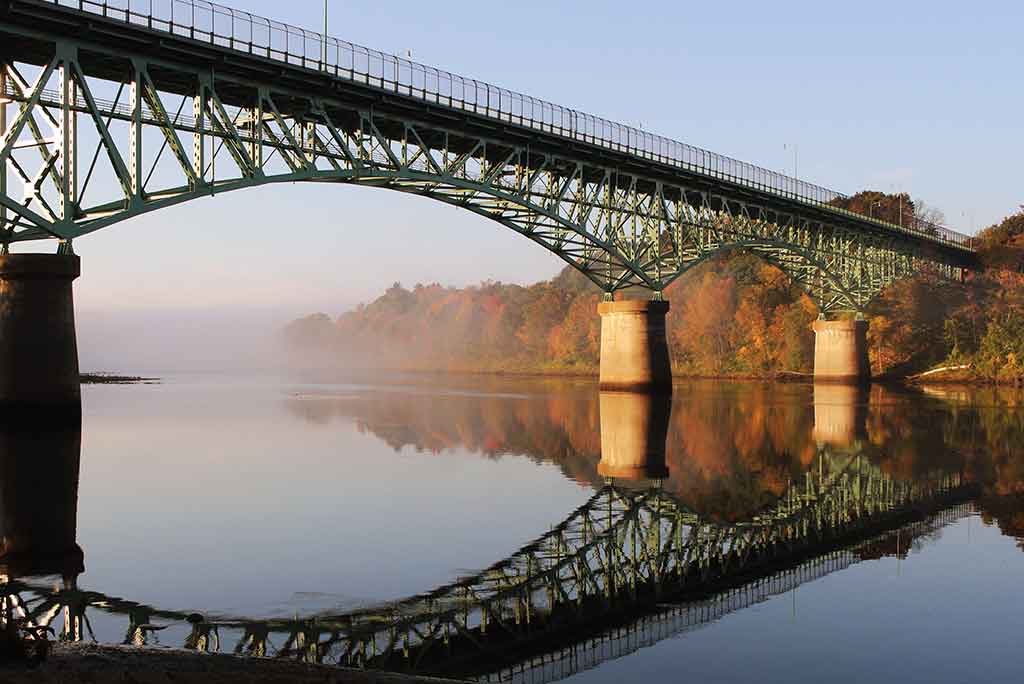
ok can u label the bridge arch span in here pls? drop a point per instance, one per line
(226, 111)
(802, 266)
(621, 223)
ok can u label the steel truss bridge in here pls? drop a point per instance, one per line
(595, 587)
(123, 107)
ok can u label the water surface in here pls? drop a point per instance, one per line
(270, 509)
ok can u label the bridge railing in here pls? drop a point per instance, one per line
(239, 30)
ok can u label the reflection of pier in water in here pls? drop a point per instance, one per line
(594, 587)
(633, 565)
(633, 431)
(727, 451)
(39, 463)
(840, 413)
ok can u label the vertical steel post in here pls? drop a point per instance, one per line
(309, 143)
(256, 147)
(198, 144)
(68, 138)
(135, 144)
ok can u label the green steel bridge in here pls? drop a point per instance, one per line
(629, 567)
(123, 107)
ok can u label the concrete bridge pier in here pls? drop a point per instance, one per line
(38, 350)
(39, 466)
(841, 351)
(634, 427)
(634, 349)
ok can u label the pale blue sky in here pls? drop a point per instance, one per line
(923, 96)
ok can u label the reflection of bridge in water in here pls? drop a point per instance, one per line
(522, 650)
(592, 588)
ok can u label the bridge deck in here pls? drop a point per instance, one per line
(248, 48)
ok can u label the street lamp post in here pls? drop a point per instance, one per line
(898, 191)
(323, 60)
(796, 169)
(871, 208)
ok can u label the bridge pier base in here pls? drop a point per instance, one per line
(38, 350)
(634, 427)
(634, 349)
(841, 351)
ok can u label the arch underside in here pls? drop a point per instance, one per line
(159, 148)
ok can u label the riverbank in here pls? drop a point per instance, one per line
(99, 664)
(962, 374)
(960, 377)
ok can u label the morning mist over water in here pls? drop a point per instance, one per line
(178, 340)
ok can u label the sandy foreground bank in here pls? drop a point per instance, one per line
(100, 664)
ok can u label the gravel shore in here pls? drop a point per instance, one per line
(99, 664)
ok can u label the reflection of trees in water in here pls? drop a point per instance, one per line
(727, 446)
(732, 448)
(731, 456)
(1007, 512)
(979, 429)
(990, 424)
(735, 453)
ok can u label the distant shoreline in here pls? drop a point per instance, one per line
(112, 379)
(786, 377)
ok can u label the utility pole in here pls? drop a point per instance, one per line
(796, 169)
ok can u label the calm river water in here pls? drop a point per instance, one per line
(741, 532)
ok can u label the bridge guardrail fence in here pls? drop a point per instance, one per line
(233, 29)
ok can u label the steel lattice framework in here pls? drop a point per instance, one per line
(177, 107)
(620, 555)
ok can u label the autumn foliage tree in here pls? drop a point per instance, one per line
(734, 314)
(925, 321)
(891, 208)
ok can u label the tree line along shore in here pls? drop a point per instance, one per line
(732, 316)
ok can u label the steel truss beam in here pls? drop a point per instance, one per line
(621, 229)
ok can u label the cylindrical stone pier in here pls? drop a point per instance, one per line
(39, 464)
(634, 349)
(38, 351)
(841, 351)
(634, 427)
